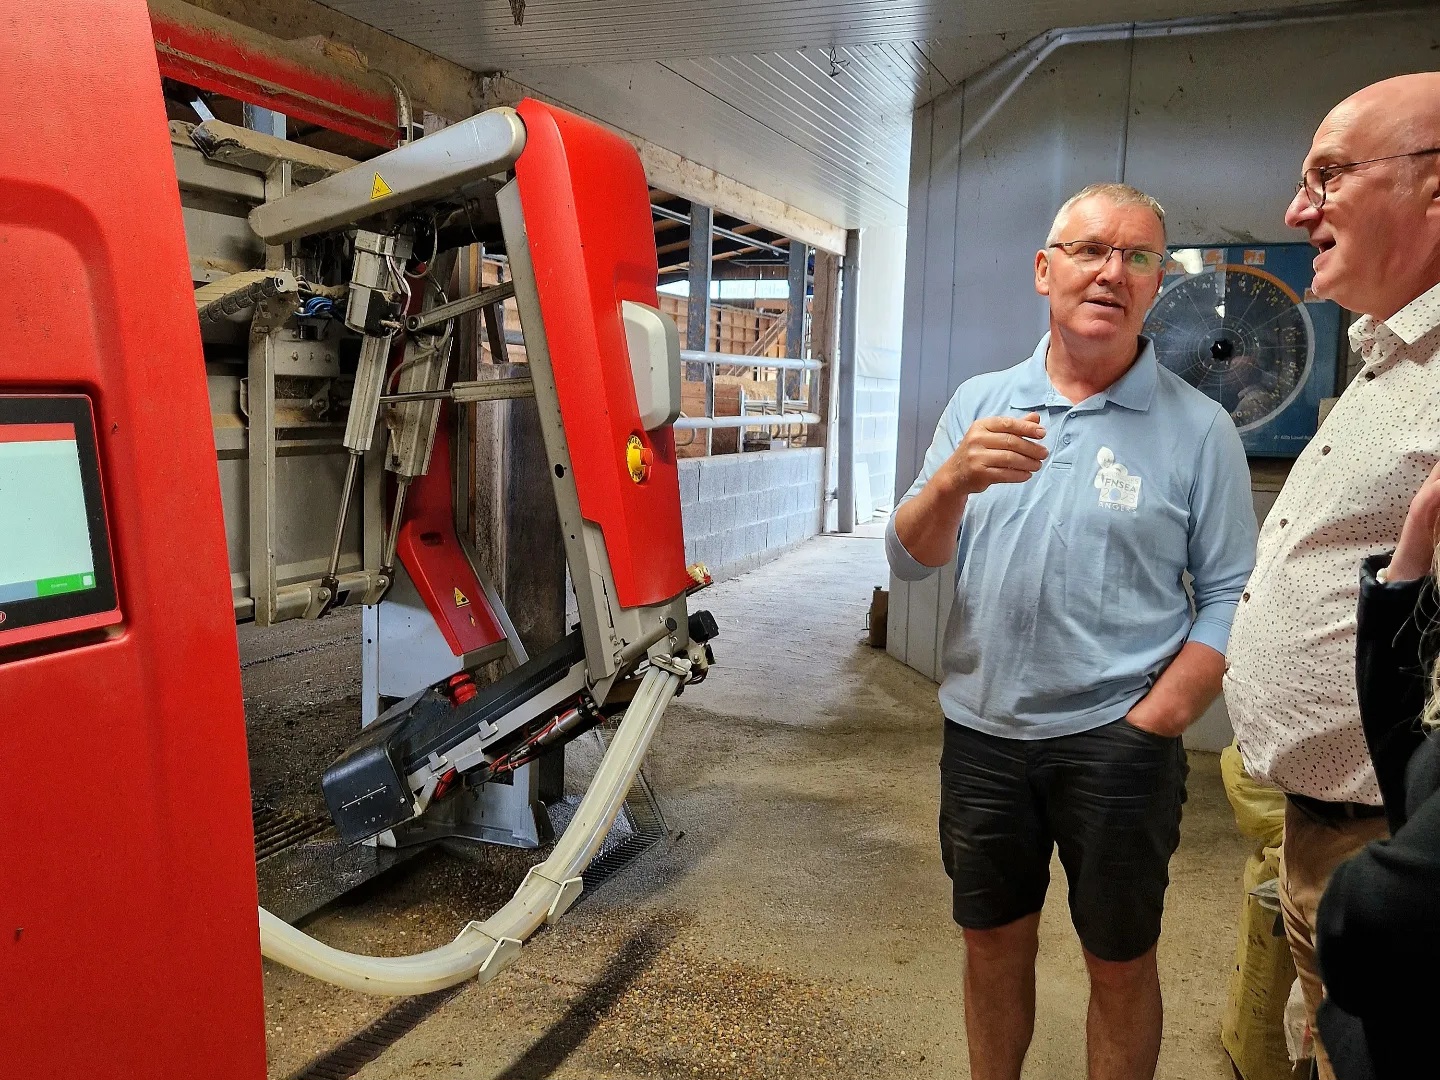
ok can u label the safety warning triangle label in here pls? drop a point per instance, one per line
(378, 188)
(461, 600)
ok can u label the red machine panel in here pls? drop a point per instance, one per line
(431, 553)
(592, 242)
(128, 938)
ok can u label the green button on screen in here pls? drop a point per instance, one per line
(69, 583)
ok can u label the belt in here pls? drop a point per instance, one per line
(1335, 811)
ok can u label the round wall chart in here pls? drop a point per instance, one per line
(1235, 324)
(1237, 334)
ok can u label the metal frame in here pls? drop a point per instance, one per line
(761, 418)
(356, 550)
(715, 230)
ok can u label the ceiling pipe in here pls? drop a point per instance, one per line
(749, 241)
(1037, 50)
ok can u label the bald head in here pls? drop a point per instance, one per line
(1387, 116)
(1375, 168)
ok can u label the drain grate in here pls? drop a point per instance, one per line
(638, 827)
(276, 830)
(367, 1044)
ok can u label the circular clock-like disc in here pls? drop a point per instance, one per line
(1237, 334)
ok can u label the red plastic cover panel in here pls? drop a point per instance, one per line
(128, 937)
(431, 553)
(592, 243)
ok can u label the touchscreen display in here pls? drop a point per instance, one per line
(56, 573)
(45, 547)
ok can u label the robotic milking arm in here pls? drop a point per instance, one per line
(130, 482)
(370, 248)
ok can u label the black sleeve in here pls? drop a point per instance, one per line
(1393, 654)
(1346, 1041)
(1379, 919)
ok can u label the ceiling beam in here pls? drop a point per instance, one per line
(433, 83)
(450, 91)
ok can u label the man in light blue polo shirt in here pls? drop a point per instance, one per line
(1082, 484)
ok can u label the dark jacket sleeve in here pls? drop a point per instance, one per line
(1379, 918)
(1391, 669)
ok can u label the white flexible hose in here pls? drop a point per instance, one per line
(482, 949)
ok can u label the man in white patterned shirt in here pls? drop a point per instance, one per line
(1370, 200)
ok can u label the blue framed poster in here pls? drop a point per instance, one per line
(1240, 324)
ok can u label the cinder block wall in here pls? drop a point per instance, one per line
(741, 510)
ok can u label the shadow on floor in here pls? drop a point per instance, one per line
(548, 1052)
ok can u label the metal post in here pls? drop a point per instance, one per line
(845, 383)
(697, 315)
(799, 279)
(780, 398)
(261, 456)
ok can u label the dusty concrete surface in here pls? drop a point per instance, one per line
(798, 923)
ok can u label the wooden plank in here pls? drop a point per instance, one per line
(691, 180)
(692, 403)
(517, 534)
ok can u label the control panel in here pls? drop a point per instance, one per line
(56, 573)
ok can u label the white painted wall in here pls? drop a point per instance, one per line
(1214, 126)
(877, 367)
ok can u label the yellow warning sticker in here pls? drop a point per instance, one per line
(379, 188)
(461, 600)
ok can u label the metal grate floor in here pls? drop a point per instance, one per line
(638, 827)
(276, 830)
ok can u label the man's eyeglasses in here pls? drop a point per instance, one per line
(1091, 255)
(1317, 177)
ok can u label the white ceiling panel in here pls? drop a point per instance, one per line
(836, 147)
(809, 101)
(482, 34)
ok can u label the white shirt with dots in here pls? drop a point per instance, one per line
(1290, 682)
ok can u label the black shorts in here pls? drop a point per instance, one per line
(1109, 798)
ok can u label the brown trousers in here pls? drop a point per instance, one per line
(1310, 854)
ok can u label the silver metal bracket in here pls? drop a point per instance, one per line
(678, 666)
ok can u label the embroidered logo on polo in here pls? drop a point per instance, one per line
(1119, 488)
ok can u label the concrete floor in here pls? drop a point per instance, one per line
(797, 924)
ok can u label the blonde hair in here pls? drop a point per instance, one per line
(1117, 195)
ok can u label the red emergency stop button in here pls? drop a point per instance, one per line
(638, 459)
